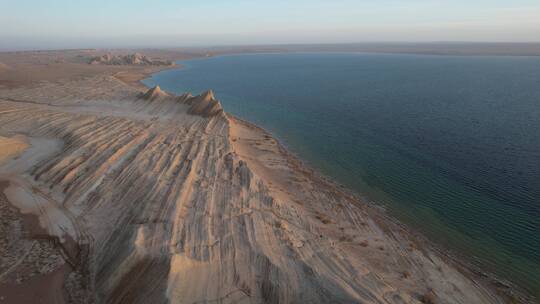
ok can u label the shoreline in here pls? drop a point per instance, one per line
(378, 211)
(279, 213)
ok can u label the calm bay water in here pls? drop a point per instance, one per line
(450, 145)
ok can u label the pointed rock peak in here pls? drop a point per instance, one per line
(208, 95)
(184, 98)
(156, 90)
(154, 93)
(205, 105)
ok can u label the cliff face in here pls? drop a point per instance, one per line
(169, 204)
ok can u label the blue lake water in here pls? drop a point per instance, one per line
(450, 145)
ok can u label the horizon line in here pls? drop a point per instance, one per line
(270, 44)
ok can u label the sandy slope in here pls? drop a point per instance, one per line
(11, 147)
(154, 198)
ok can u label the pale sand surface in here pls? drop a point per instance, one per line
(11, 147)
(156, 198)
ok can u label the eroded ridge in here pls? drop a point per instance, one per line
(172, 201)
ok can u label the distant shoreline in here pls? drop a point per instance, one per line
(420, 48)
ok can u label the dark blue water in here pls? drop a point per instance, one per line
(450, 145)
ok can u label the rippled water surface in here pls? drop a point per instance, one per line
(451, 145)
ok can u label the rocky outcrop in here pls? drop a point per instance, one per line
(131, 59)
(153, 93)
(204, 105)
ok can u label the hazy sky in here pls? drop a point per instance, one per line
(97, 23)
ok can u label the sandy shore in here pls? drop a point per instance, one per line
(156, 198)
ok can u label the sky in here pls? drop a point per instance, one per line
(168, 23)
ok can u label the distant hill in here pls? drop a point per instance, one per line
(131, 59)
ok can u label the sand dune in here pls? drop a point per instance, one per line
(167, 199)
